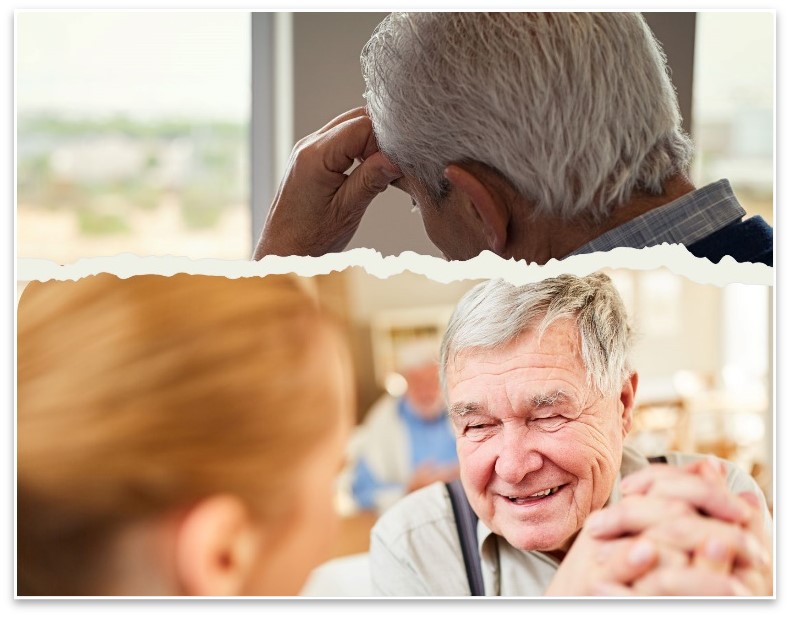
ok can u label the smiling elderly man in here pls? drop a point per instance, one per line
(541, 394)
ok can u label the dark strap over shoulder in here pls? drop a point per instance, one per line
(466, 523)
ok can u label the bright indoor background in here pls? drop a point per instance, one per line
(703, 353)
(173, 143)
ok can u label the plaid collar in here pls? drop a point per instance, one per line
(685, 220)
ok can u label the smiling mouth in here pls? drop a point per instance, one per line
(534, 497)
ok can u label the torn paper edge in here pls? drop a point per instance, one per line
(485, 266)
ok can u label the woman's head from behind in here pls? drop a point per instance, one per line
(176, 435)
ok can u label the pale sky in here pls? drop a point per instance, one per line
(182, 65)
(734, 61)
(197, 64)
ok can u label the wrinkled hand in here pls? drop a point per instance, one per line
(609, 566)
(690, 509)
(318, 207)
(427, 474)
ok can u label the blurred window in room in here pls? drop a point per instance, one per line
(746, 376)
(132, 134)
(660, 301)
(733, 105)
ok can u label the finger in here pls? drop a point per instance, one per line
(759, 523)
(348, 115)
(626, 559)
(758, 582)
(714, 555)
(671, 557)
(690, 532)
(633, 515)
(673, 523)
(759, 579)
(370, 178)
(642, 480)
(704, 493)
(342, 145)
(752, 499)
(689, 581)
(709, 466)
(611, 589)
(712, 498)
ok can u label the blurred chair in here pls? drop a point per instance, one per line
(660, 426)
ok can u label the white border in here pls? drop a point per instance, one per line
(395, 607)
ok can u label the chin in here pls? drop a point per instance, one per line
(537, 540)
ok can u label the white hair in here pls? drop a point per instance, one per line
(576, 110)
(495, 313)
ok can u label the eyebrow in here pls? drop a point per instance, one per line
(549, 399)
(537, 401)
(463, 409)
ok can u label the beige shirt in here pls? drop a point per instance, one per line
(415, 550)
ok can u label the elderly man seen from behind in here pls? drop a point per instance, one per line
(541, 392)
(531, 135)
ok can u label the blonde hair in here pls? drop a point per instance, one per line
(141, 395)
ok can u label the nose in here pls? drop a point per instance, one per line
(518, 457)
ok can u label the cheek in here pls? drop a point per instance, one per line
(590, 453)
(446, 232)
(477, 463)
(433, 227)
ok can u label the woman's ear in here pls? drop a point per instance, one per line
(488, 209)
(217, 546)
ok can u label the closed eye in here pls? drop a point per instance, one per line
(550, 423)
(479, 432)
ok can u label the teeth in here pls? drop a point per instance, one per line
(546, 493)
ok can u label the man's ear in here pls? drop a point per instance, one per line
(492, 213)
(216, 547)
(627, 396)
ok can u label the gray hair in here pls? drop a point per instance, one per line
(495, 313)
(576, 110)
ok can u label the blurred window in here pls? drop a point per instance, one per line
(733, 105)
(132, 134)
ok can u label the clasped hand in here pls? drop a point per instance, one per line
(676, 531)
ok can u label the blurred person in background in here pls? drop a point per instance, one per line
(176, 436)
(530, 135)
(405, 442)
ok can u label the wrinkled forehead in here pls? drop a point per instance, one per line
(558, 345)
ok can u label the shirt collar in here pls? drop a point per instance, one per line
(685, 220)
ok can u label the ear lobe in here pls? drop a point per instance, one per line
(627, 397)
(216, 547)
(492, 214)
